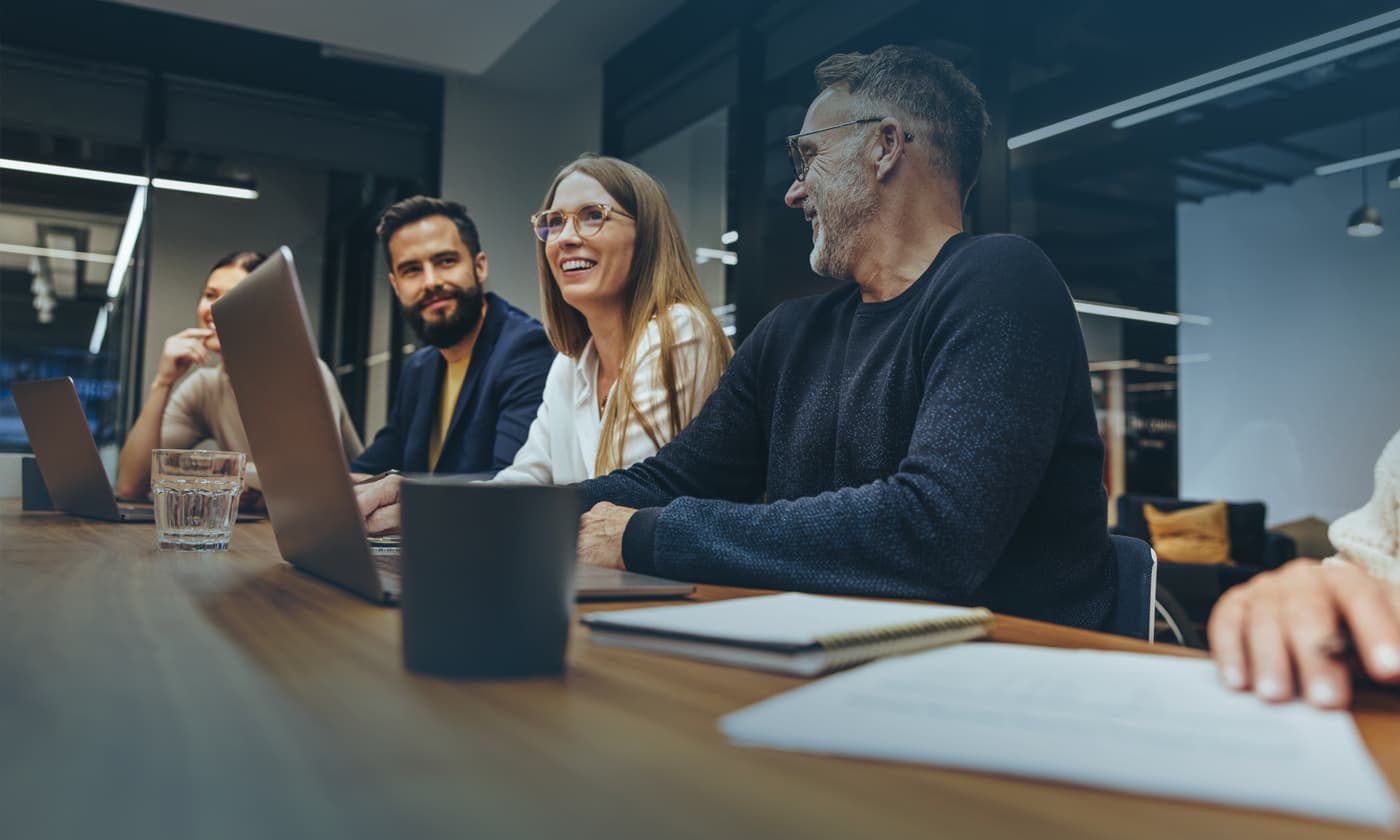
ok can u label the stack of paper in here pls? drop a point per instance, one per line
(1155, 725)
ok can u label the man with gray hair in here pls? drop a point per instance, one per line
(926, 431)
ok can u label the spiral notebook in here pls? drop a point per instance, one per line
(803, 635)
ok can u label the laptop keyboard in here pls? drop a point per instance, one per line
(387, 561)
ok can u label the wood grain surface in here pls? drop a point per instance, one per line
(210, 695)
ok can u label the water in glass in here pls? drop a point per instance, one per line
(195, 513)
(196, 497)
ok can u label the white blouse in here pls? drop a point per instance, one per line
(562, 447)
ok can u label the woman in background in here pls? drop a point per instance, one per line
(639, 349)
(180, 411)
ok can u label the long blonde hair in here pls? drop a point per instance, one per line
(661, 276)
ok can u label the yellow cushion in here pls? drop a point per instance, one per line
(1191, 535)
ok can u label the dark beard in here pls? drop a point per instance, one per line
(448, 331)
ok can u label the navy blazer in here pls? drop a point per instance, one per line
(498, 402)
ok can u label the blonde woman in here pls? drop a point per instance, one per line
(639, 350)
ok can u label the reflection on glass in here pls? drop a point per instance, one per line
(692, 165)
(58, 248)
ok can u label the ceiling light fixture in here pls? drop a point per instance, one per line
(54, 253)
(1358, 162)
(221, 190)
(1365, 221)
(73, 172)
(1289, 69)
(1211, 77)
(127, 246)
(203, 189)
(99, 330)
(1111, 310)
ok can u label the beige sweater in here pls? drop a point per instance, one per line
(203, 407)
(1370, 537)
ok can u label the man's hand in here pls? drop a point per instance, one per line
(600, 535)
(1295, 620)
(181, 350)
(379, 504)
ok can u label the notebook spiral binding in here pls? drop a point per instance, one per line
(846, 649)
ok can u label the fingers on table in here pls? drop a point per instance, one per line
(1370, 613)
(1314, 638)
(1226, 634)
(1281, 633)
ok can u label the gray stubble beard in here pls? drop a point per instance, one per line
(844, 207)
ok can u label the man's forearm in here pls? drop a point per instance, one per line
(879, 539)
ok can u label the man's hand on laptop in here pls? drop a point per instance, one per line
(600, 535)
(379, 504)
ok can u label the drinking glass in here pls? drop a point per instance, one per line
(196, 497)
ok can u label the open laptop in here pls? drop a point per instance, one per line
(271, 360)
(67, 454)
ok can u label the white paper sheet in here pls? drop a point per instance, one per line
(1154, 725)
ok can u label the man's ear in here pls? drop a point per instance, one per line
(482, 269)
(394, 282)
(892, 146)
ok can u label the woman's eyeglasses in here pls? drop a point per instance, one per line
(588, 220)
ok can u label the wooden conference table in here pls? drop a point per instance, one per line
(151, 694)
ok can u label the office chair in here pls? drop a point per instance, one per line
(1137, 588)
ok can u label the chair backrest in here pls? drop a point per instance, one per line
(1137, 588)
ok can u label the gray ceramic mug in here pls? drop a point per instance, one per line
(488, 577)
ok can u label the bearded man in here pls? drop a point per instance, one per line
(467, 398)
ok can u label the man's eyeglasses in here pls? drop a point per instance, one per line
(799, 160)
(588, 220)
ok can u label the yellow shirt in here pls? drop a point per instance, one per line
(447, 403)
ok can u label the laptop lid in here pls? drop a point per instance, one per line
(271, 361)
(63, 445)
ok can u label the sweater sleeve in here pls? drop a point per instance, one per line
(184, 423)
(997, 364)
(1370, 536)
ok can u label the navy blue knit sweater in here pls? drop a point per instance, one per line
(941, 445)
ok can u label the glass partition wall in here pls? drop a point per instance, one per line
(120, 188)
(1218, 213)
(691, 166)
(73, 208)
